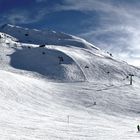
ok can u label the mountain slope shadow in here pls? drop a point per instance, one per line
(52, 63)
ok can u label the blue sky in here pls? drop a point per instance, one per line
(113, 25)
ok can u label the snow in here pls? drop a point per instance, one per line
(37, 109)
(85, 97)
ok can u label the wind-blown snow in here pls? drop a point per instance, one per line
(86, 96)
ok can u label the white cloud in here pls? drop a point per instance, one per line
(23, 16)
(119, 26)
(26, 16)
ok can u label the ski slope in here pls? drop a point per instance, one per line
(85, 97)
(38, 109)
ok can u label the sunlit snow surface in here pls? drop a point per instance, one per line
(86, 97)
(38, 109)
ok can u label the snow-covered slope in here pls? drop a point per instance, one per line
(62, 61)
(57, 86)
(34, 109)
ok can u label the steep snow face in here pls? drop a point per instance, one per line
(53, 64)
(47, 37)
(65, 63)
(98, 66)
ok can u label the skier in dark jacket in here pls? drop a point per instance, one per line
(138, 127)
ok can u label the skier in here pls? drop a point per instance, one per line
(60, 59)
(138, 127)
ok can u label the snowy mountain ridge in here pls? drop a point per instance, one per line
(61, 57)
(47, 37)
